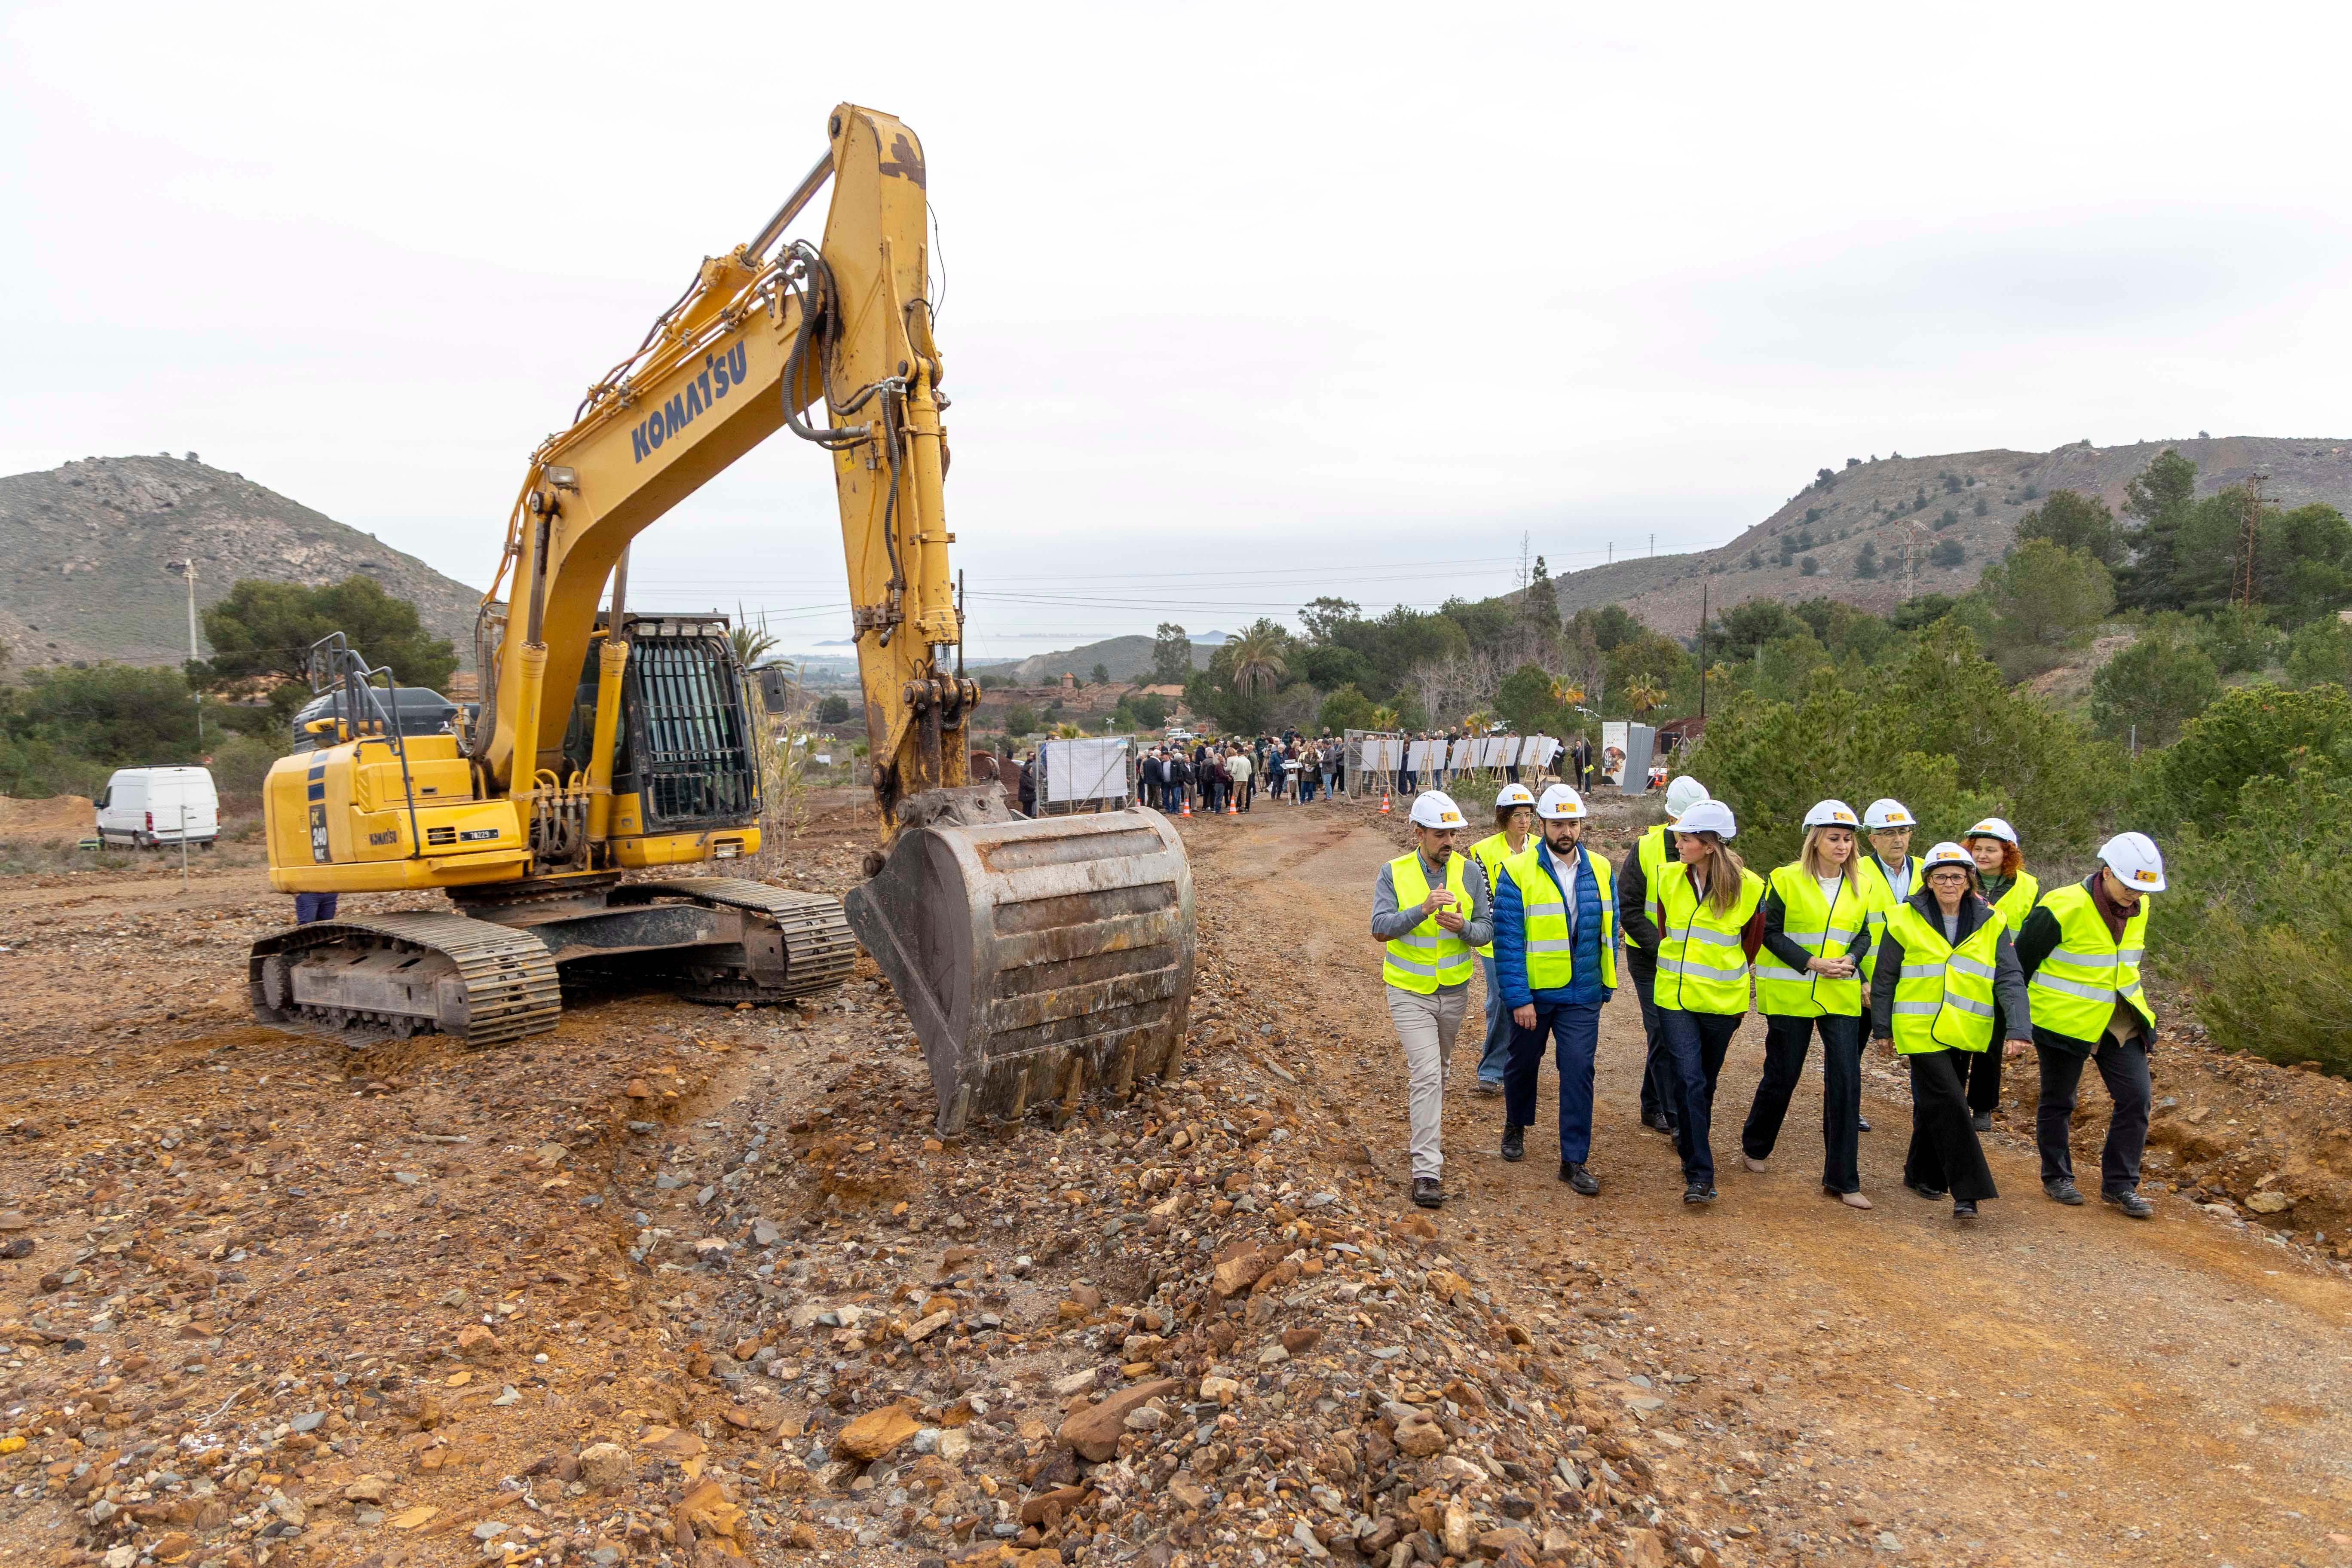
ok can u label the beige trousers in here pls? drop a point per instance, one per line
(1425, 1027)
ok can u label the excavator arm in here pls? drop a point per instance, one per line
(756, 342)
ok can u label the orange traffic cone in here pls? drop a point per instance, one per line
(1231, 809)
(1384, 803)
(1188, 805)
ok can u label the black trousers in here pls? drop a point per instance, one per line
(1657, 1073)
(2125, 1070)
(1786, 1040)
(1981, 1072)
(1695, 1046)
(1945, 1154)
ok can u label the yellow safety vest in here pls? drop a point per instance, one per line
(2019, 902)
(1650, 852)
(1701, 949)
(1878, 899)
(1823, 929)
(1491, 852)
(1550, 945)
(1427, 956)
(1943, 999)
(2075, 990)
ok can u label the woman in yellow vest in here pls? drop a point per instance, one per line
(1711, 921)
(1637, 917)
(1808, 978)
(1515, 818)
(2008, 886)
(1946, 967)
(2081, 951)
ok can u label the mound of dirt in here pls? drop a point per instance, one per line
(59, 816)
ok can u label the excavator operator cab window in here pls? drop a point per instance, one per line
(686, 736)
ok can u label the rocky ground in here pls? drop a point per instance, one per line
(681, 1284)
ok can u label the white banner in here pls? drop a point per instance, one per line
(1423, 756)
(1538, 751)
(1490, 751)
(1464, 749)
(1612, 751)
(1511, 746)
(1092, 768)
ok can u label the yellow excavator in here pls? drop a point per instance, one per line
(1033, 955)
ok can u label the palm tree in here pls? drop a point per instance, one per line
(1067, 732)
(1258, 663)
(1384, 719)
(1641, 697)
(752, 643)
(1565, 693)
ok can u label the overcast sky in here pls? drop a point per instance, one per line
(1241, 303)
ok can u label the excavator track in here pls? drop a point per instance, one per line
(819, 951)
(362, 980)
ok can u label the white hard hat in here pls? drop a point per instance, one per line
(1888, 812)
(1514, 795)
(1435, 808)
(2135, 860)
(1560, 803)
(1830, 814)
(1950, 854)
(1708, 816)
(1683, 794)
(1992, 828)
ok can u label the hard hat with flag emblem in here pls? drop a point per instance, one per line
(1708, 816)
(1435, 808)
(2135, 861)
(1888, 812)
(1830, 814)
(1950, 854)
(1514, 795)
(1992, 828)
(1683, 794)
(1560, 803)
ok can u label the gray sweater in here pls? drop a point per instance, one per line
(1389, 921)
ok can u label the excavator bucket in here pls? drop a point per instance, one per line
(1035, 957)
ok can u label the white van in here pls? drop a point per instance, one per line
(152, 806)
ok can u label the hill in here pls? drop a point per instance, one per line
(84, 548)
(1123, 658)
(1899, 504)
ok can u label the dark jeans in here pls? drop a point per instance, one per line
(1786, 1041)
(309, 906)
(1696, 1044)
(1982, 1071)
(1305, 787)
(1574, 1029)
(1249, 791)
(1657, 1079)
(2125, 1070)
(1945, 1155)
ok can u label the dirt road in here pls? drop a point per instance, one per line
(2052, 1385)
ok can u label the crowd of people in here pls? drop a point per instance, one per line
(1205, 775)
(1953, 962)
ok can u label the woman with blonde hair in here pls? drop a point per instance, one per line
(2009, 887)
(1808, 978)
(1713, 923)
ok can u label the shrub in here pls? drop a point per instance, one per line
(2270, 896)
(2320, 653)
(1948, 553)
(240, 763)
(2154, 687)
(1809, 566)
(2239, 639)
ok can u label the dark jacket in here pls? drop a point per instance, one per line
(1582, 891)
(1793, 954)
(2036, 940)
(2008, 979)
(1027, 791)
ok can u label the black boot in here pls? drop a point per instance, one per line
(1573, 1173)
(1515, 1142)
(1427, 1192)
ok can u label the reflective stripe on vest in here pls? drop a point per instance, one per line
(2077, 986)
(1701, 949)
(1943, 999)
(1427, 956)
(1490, 852)
(1550, 942)
(1828, 929)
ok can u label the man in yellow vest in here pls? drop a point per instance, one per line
(1637, 915)
(1556, 952)
(2081, 951)
(1515, 820)
(1430, 914)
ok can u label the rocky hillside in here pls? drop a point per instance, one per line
(1922, 508)
(1126, 659)
(84, 552)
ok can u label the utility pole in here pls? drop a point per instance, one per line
(1702, 654)
(2249, 538)
(1613, 553)
(1653, 544)
(188, 568)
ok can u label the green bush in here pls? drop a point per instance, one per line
(2257, 925)
(2238, 639)
(2320, 653)
(2153, 687)
(240, 763)
(2255, 732)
